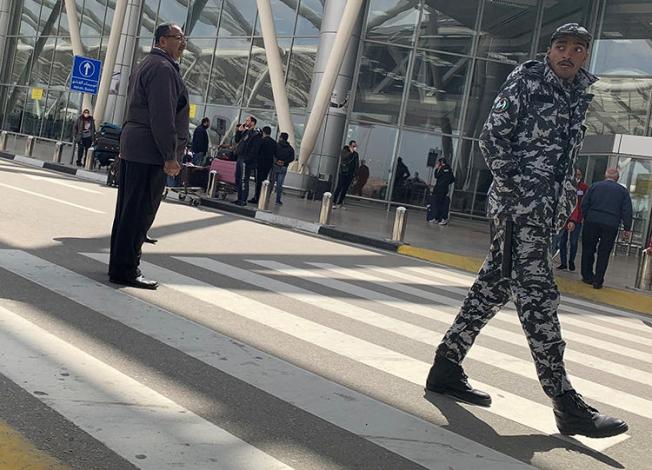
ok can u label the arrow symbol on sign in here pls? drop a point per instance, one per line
(87, 66)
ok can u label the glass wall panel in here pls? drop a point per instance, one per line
(29, 18)
(488, 78)
(284, 16)
(15, 110)
(436, 91)
(70, 106)
(49, 20)
(559, 12)
(203, 18)
(24, 51)
(376, 148)
(148, 21)
(42, 64)
(302, 63)
(61, 63)
(172, 11)
(448, 25)
(223, 121)
(393, 20)
(228, 73)
(238, 18)
(380, 83)
(92, 46)
(258, 91)
(507, 30)
(414, 178)
(53, 114)
(93, 18)
(620, 106)
(636, 175)
(472, 180)
(34, 110)
(309, 17)
(196, 65)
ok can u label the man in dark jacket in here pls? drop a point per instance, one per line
(349, 162)
(153, 139)
(265, 161)
(284, 156)
(83, 132)
(248, 139)
(606, 203)
(530, 142)
(440, 201)
(200, 142)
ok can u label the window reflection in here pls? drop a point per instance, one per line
(302, 63)
(309, 17)
(448, 25)
(393, 20)
(376, 148)
(380, 83)
(228, 72)
(29, 17)
(436, 91)
(172, 11)
(559, 12)
(258, 91)
(238, 18)
(472, 180)
(196, 65)
(507, 29)
(620, 106)
(203, 18)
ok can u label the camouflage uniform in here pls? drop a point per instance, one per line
(530, 142)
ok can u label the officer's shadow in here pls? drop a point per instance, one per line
(521, 447)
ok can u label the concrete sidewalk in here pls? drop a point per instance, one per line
(461, 244)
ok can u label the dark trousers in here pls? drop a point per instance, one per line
(262, 173)
(140, 187)
(82, 149)
(342, 187)
(440, 203)
(243, 172)
(598, 237)
(565, 237)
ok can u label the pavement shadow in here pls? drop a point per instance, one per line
(521, 447)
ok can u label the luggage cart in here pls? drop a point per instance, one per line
(224, 179)
(194, 180)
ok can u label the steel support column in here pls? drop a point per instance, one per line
(109, 60)
(275, 69)
(75, 39)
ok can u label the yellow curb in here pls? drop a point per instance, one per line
(18, 453)
(635, 301)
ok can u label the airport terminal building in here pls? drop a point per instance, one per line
(417, 79)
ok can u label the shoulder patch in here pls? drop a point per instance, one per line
(501, 104)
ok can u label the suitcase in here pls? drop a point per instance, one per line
(107, 138)
(113, 173)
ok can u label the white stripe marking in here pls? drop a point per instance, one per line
(127, 416)
(395, 430)
(568, 319)
(62, 183)
(503, 315)
(518, 366)
(508, 405)
(31, 193)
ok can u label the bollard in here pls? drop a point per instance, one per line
(3, 140)
(644, 277)
(90, 158)
(29, 146)
(263, 200)
(326, 209)
(400, 221)
(211, 189)
(58, 152)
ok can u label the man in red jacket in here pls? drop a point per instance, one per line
(573, 227)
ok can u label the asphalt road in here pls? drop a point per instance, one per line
(268, 349)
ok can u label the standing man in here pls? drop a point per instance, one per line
(248, 140)
(349, 162)
(200, 142)
(266, 157)
(573, 228)
(605, 205)
(440, 201)
(284, 156)
(530, 142)
(153, 141)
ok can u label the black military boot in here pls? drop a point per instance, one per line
(448, 378)
(574, 416)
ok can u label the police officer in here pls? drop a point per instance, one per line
(530, 142)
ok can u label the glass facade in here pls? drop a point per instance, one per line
(426, 74)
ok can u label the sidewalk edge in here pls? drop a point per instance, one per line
(630, 300)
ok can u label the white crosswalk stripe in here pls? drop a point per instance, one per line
(378, 423)
(397, 431)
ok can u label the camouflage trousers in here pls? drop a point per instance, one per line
(533, 290)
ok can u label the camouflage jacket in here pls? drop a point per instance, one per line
(530, 143)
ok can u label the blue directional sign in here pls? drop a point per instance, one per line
(85, 75)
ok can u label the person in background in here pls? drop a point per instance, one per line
(360, 179)
(265, 161)
(200, 142)
(440, 201)
(605, 205)
(573, 228)
(83, 132)
(248, 141)
(349, 162)
(284, 156)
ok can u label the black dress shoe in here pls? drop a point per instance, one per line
(139, 282)
(587, 281)
(562, 267)
(239, 203)
(448, 378)
(573, 416)
(151, 240)
(253, 200)
(597, 285)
